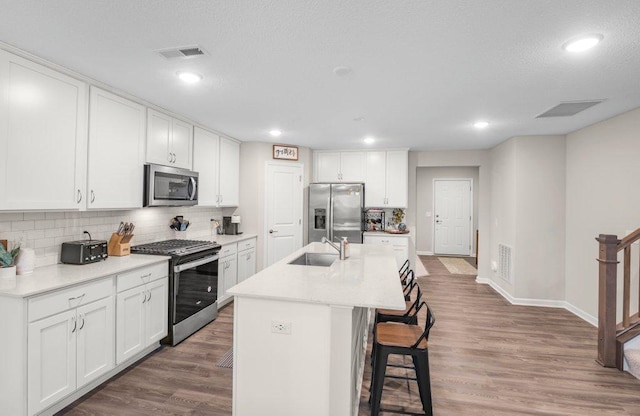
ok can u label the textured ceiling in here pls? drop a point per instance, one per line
(422, 71)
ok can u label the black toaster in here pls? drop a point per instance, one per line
(83, 251)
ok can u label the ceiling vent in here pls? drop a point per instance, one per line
(569, 109)
(186, 52)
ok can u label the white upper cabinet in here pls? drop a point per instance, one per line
(116, 151)
(229, 173)
(217, 160)
(339, 166)
(387, 183)
(327, 166)
(43, 139)
(169, 140)
(397, 181)
(206, 146)
(375, 184)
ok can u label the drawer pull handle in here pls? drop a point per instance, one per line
(77, 297)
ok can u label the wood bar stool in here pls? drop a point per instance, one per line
(402, 339)
(406, 316)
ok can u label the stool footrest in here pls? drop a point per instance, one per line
(401, 377)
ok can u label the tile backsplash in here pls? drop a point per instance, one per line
(46, 231)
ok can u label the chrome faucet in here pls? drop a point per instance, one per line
(340, 248)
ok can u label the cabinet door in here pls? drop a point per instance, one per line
(246, 264)
(116, 151)
(229, 173)
(327, 166)
(51, 360)
(206, 163)
(352, 166)
(182, 144)
(157, 311)
(397, 178)
(159, 138)
(231, 273)
(130, 323)
(374, 190)
(43, 139)
(96, 338)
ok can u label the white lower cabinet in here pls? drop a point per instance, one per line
(400, 244)
(227, 271)
(71, 348)
(237, 263)
(142, 317)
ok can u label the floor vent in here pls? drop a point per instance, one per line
(504, 262)
(569, 108)
(184, 52)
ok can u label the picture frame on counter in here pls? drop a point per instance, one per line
(285, 152)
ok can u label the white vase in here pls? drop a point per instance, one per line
(8, 272)
(26, 261)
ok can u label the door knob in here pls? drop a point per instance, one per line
(272, 231)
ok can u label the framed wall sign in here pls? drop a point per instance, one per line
(285, 152)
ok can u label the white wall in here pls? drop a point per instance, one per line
(253, 156)
(528, 200)
(424, 202)
(603, 197)
(540, 217)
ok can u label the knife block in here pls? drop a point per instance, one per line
(119, 245)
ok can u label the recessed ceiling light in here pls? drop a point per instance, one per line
(369, 140)
(582, 43)
(342, 71)
(190, 77)
(480, 124)
(359, 118)
(275, 133)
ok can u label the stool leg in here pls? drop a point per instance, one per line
(377, 378)
(424, 380)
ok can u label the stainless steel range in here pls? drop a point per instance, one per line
(193, 284)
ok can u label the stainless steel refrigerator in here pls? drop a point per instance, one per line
(336, 210)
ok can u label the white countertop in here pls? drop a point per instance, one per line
(48, 278)
(369, 278)
(223, 239)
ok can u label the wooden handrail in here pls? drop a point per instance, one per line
(609, 349)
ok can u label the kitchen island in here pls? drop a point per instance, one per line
(300, 332)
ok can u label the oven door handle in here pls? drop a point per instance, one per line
(196, 263)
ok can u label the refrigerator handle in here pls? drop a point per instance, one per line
(330, 219)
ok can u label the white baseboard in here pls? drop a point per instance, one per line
(545, 303)
(424, 253)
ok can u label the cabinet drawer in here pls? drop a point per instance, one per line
(394, 241)
(141, 276)
(62, 300)
(247, 244)
(228, 249)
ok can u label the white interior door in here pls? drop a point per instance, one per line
(283, 210)
(452, 203)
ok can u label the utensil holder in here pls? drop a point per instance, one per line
(119, 245)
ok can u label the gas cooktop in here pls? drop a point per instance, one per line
(175, 247)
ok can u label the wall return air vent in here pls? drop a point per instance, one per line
(505, 263)
(184, 52)
(569, 108)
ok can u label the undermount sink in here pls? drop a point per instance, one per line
(315, 259)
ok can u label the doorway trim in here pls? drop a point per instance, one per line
(471, 220)
(265, 231)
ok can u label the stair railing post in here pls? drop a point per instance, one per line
(607, 297)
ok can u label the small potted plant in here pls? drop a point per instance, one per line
(7, 262)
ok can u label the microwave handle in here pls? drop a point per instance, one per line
(194, 186)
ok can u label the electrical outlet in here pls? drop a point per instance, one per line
(280, 327)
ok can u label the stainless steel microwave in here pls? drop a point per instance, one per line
(166, 186)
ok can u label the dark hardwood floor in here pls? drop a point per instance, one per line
(487, 358)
